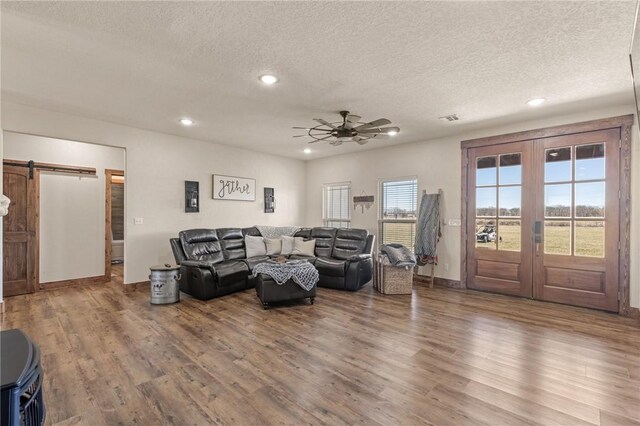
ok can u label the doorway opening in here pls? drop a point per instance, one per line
(114, 225)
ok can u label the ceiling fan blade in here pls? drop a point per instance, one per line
(325, 122)
(351, 121)
(384, 130)
(375, 123)
(320, 140)
(390, 130)
(381, 136)
(302, 128)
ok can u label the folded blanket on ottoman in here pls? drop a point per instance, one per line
(301, 272)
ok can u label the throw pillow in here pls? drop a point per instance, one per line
(287, 246)
(254, 246)
(304, 248)
(274, 246)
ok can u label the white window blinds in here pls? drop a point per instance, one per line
(399, 211)
(336, 205)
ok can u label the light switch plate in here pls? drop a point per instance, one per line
(455, 222)
(138, 221)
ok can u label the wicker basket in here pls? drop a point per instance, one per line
(389, 279)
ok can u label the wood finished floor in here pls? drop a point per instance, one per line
(446, 357)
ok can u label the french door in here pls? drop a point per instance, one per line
(543, 219)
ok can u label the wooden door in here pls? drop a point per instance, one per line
(576, 228)
(20, 231)
(499, 219)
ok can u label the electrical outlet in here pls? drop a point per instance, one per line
(455, 222)
(446, 266)
(138, 221)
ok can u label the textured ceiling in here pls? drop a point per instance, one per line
(146, 64)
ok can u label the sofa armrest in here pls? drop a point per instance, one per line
(371, 243)
(358, 257)
(359, 271)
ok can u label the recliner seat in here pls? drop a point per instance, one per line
(213, 262)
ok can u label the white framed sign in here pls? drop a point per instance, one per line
(234, 188)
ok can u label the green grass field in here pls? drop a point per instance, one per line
(589, 240)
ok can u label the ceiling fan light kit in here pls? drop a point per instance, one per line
(351, 129)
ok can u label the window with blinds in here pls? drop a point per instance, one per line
(336, 205)
(398, 211)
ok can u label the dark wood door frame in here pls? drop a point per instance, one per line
(624, 123)
(108, 174)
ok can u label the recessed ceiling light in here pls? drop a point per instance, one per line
(186, 121)
(392, 133)
(268, 79)
(307, 150)
(536, 102)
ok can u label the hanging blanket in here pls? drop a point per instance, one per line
(277, 231)
(428, 229)
(301, 272)
(398, 255)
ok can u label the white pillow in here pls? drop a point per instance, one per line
(254, 246)
(287, 245)
(304, 248)
(274, 246)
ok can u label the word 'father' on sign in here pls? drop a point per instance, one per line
(233, 188)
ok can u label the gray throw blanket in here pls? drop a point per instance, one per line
(300, 271)
(398, 255)
(277, 231)
(428, 229)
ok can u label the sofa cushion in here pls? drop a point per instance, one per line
(201, 244)
(303, 233)
(287, 245)
(274, 246)
(254, 246)
(324, 240)
(331, 267)
(253, 231)
(231, 272)
(349, 242)
(304, 248)
(253, 261)
(232, 242)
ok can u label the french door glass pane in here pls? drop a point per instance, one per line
(557, 166)
(510, 169)
(590, 162)
(510, 198)
(509, 232)
(486, 201)
(486, 171)
(486, 234)
(557, 200)
(589, 238)
(557, 237)
(590, 199)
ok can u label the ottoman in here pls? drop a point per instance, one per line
(269, 291)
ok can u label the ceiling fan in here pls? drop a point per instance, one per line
(350, 129)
